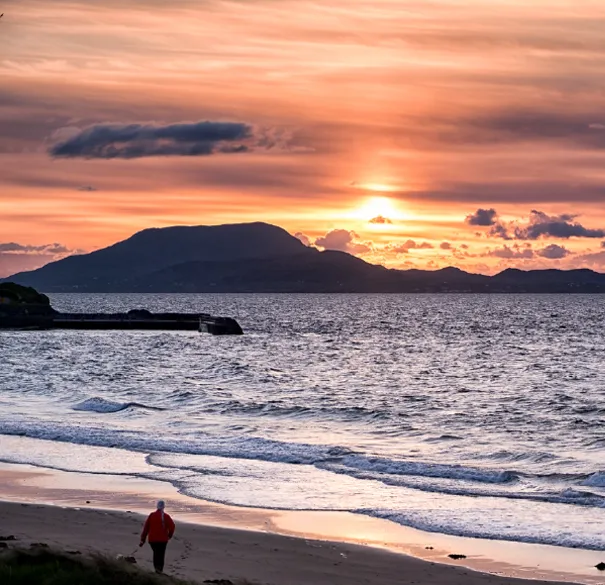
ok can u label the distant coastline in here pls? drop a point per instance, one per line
(262, 258)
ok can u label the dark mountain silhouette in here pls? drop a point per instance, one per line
(259, 257)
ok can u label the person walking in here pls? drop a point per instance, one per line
(159, 528)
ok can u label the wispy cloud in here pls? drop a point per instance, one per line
(48, 249)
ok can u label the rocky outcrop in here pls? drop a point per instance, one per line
(24, 308)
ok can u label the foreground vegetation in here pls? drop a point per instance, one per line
(50, 568)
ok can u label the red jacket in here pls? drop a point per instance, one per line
(159, 527)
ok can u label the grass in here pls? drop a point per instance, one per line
(52, 568)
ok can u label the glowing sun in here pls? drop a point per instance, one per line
(378, 210)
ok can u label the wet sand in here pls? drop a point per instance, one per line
(105, 513)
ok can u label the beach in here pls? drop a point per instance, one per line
(323, 424)
(73, 512)
(201, 552)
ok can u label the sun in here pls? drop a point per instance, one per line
(381, 209)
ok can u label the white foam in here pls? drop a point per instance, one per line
(201, 444)
(582, 529)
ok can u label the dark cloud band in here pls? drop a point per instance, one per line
(109, 141)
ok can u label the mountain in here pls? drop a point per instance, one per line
(258, 257)
(151, 250)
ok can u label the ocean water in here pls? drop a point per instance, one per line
(469, 415)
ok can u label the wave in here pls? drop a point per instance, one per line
(254, 448)
(436, 470)
(101, 405)
(455, 487)
(515, 457)
(483, 530)
(445, 479)
(275, 408)
(595, 480)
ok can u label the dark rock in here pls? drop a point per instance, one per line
(131, 560)
(219, 581)
(38, 545)
(22, 295)
(88, 501)
(457, 557)
(3, 545)
(73, 552)
(7, 538)
(600, 566)
(428, 548)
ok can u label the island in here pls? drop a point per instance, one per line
(24, 308)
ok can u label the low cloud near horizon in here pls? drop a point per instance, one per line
(538, 225)
(343, 241)
(15, 257)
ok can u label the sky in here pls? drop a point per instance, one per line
(412, 133)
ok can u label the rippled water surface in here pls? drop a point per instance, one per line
(465, 414)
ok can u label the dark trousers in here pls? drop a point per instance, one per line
(159, 553)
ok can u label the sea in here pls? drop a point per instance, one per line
(472, 415)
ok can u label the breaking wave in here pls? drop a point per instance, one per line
(101, 405)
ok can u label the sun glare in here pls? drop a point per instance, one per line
(382, 209)
(380, 187)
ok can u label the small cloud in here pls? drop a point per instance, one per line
(482, 217)
(556, 226)
(542, 225)
(344, 241)
(380, 220)
(554, 252)
(87, 188)
(409, 245)
(303, 238)
(510, 253)
(499, 230)
(446, 246)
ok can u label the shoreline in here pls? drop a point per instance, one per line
(79, 493)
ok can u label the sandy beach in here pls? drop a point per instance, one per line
(206, 552)
(245, 546)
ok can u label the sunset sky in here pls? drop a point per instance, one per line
(413, 133)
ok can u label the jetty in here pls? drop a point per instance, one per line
(24, 308)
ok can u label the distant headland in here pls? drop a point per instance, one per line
(258, 257)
